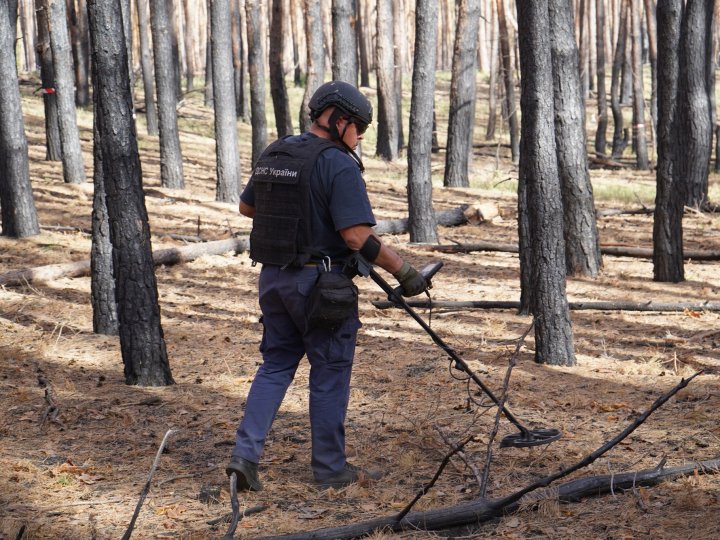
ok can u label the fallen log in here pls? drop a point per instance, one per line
(588, 306)
(618, 251)
(446, 218)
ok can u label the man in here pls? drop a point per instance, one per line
(310, 212)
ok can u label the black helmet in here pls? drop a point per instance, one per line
(343, 96)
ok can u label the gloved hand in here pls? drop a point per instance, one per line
(412, 281)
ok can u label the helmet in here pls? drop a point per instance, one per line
(343, 96)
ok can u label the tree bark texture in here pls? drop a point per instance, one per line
(618, 142)
(344, 52)
(77, 16)
(493, 81)
(72, 159)
(539, 174)
(422, 222)
(256, 70)
(102, 282)
(278, 90)
(639, 133)
(53, 149)
(363, 54)
(505, 51)
(694, 114)
(227, 158)
(669, 196)
(399, 41)
(189, 41)
(387, 128)
(651, 26)
(17, 208)
(141, 336)
(582, 246)
(315, 58)
(461, 122)
(146, 65)
(602, 121)
(171, 166)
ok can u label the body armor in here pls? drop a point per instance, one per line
(281, 233)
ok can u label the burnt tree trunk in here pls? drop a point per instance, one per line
(256, 70)
(539, 176)
(507, 72)
(226, 144)
(344, 51)
(363, 54)
(602, 122)
(618, 141)
(278, 90)
(493, 81)
(189, 41)
(638, 101)
(17, 209)
(53, 149)
(73, 166)
(694, 114)
(77, 17)
(387, 128)
(315, 58)
(421, 222)
(670, 196)
(141, 336)
(651, 25)
(151, 114)
(582, 246)
(461, 120)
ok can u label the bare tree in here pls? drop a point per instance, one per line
(387, 128)
(77, 18)
(619, 141)
(602, 122)
(507, 72)
(189, 41)
(639, 134)
(47, 78)
(171, 167)
(278, 90)
(256, 69)
(315, 58)
(17, 209)
(151, 114)
(422, 224)
(227, 157)
(345, 56)
(72, 160)
(141, 337)
(539, 198)
(461, 122)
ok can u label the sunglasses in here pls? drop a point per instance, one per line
(360, 126)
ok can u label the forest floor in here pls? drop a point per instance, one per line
(80, 477)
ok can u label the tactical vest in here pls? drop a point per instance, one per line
(281, 232)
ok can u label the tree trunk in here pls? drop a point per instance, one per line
(582, 246)
(694, 114)
(151, 114)
(278, 90)
(102, 282)
(73, 166)
(539, 176)
(53, 148)
(17, 209)
(601, 131)
(399, 40)
(507, 72)
(344, 53)
(670, 196)
(639, 133)
(81, 56)
(493, 82)
(422, 223)
(189, 41)
(387, 128)
(618, 143)
(242, 107)
(363, 54)
(256, 69)
(174, 68)
(171, 166)
(227, 157)
(461, 122)
(652, 55)
(315, 58)
(208, 91)
(125, 6)
(141, 337)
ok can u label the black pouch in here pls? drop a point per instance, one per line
(333, 299)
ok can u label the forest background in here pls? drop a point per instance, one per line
(78, 474)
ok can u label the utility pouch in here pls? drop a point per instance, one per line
(333, 300)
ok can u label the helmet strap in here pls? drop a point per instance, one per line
(337, 137)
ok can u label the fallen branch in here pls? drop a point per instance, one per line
(618, 251)
(447, 218)
(479, 510)
(146, 489)
(576, 306)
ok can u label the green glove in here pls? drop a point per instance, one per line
(412, 281)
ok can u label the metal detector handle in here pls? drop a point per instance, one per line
(428, 271)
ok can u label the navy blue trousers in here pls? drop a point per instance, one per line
(286, 339)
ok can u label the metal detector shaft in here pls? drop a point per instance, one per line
(397, 298)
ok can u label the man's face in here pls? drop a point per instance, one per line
(352, 130)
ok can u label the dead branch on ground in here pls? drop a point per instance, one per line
(481, 509)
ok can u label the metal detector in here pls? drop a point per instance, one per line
(526, 437)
